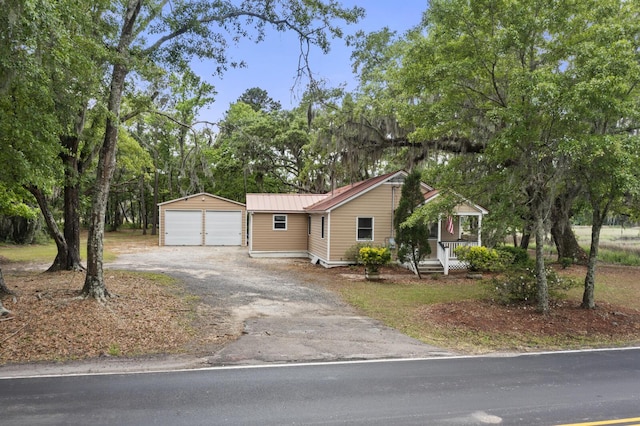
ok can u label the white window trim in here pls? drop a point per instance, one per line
(286, 222)
(373, 227)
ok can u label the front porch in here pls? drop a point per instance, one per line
(445, 260)
(463, 229)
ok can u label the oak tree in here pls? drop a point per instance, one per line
(176, 34)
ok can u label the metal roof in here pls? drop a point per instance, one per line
(282, 203)
(200, 194)
(347, 192)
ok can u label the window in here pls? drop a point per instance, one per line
(322, 227)
(309, 225)
(365, 229)
(279, 222)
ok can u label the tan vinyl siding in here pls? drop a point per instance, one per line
(465, 208)
(378, 204)
(202, 202)
(318, 245)
(265, 238)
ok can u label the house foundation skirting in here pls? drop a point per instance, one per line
(278, 254)
(300, 254)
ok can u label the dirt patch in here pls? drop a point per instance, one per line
(565, 319)
(148, 315)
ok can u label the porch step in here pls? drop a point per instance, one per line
(431, 269)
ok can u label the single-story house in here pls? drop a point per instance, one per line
(324, 227)
(202, 220)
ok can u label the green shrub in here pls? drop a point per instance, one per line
(480, 259)
(353, 253)
(519, 285)
(565, 262)
(374, 257)
(518, 255)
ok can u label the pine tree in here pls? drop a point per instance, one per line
(413, 241)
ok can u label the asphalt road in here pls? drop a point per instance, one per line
(544, 389)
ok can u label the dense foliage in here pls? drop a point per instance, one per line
(412, 238)
(529, 108)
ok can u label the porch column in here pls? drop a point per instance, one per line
(445, 264)
(479, 230)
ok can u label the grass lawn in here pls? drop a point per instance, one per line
(455, 312)
(396, 303)
(618, 245)
(46, 253)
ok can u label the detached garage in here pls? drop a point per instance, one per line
(202, 219)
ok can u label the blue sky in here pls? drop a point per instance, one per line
(272, 64)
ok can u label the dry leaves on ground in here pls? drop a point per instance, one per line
(521, 327)
(565, 318)
(50, 321)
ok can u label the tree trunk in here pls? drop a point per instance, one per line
(72, 170)
(416, 263)
(72, 225)
(588, 296)
(526, 235)
(115, 212)
(61, 260)
(67, 242)
(3, 311)
(154, 224)
(4, 291)
(567, 244)
(541, 273)
(563, 236)
(94, 285)
(143, 206)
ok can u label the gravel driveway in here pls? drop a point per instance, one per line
(279, 315)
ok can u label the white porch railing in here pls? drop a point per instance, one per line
(452, 245)
(447, 256)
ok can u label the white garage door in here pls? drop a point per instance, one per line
(183, 227)
(223, 228)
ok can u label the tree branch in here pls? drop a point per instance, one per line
(221, 18)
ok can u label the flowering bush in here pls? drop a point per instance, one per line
(520, 285)
(374, 257)
(353, 253)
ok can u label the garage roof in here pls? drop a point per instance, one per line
(201, 194)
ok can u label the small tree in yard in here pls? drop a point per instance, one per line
(412, 239)
(373, 258)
